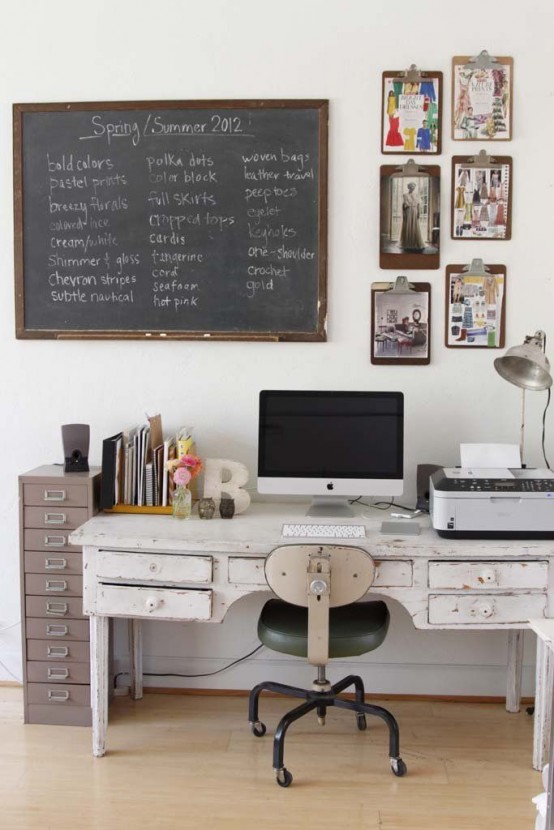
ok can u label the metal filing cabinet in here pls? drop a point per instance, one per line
(56, 671)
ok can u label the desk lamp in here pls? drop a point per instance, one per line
(527, 367)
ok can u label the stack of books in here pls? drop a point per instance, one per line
(134, 467)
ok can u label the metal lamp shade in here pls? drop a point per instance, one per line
(525, 366)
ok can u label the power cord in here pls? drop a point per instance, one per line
(544, 429)
(203, 674)
(382, 505)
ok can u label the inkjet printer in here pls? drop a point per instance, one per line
(495, 504)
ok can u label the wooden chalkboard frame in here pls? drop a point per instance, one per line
(319, 331)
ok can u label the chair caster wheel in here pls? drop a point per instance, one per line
(258, 729)
(284, 777)
(398, 767)
(361, 722)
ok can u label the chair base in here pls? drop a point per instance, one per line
(320, 701)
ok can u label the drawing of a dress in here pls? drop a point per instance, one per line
(460, 200)
(409, 133)
(391, 103)
(410, 235)
(394, 139)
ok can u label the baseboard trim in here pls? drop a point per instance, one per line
(12, 683)
(172, 690)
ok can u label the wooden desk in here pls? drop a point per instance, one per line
(156, 567)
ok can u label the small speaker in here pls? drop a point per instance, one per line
(76, 440)
(424, 472)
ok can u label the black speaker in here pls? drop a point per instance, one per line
(424, 472)
(76, 440)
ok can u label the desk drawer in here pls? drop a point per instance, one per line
(485, 609)
(247, 570)
(68, 495)
(56, 672)
(65, 652)
(48, 540)
(54, 517)
(54, 606)
(153, 567)
(393, 573)
(154, 603)
(54, 584)
(531, 576)
(58, 630)
(53, 562)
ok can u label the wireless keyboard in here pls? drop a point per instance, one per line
(303, 531)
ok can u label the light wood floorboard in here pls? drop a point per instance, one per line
(189, 763)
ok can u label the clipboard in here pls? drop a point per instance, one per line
(475, 306)
(416, 97)
(409, 224)
(482, 96)
(481, 197)
(400, 323)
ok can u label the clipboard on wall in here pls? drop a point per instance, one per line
(482, 96)
(411, 112)
(409, 224)
(400, 323)
(475, 306)
(481, 197)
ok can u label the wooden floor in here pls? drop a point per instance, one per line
(191, 763)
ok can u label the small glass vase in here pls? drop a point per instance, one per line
(182, 503)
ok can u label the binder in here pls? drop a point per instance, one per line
(111, 464)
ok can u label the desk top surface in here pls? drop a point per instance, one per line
(259, 530)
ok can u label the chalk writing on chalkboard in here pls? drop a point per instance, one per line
(192, 220)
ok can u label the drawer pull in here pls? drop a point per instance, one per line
(485, 610)
(154, 567)
(55, 564)
(152, 603)
(57, 609)
(58, 695)
(54, 541)
(55, 518)
(57, 673)
(56, 585)
(58, 651)
(54, 495)
(54, 630)
(489, 576)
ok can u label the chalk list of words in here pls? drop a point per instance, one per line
(178, 214)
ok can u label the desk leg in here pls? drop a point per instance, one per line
(515, 666)
(543, 695)
(99, 682)
(550, 785)
(135, 651)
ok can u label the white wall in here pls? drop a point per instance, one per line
(69, 50)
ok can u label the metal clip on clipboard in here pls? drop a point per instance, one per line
(482, 61)
(480, 161)
(411, 76)
(477, 269)
(410, 169)
(401, 286)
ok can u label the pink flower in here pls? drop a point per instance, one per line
(182, 476)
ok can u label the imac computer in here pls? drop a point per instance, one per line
(332, 446)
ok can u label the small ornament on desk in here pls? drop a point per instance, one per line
(227, 508)
(183, 469)
(206, 508)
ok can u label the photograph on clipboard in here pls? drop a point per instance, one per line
(409, 216)
(400, 322)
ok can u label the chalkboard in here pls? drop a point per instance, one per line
(173, 219)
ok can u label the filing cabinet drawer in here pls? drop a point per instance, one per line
(48, 540)
(56, 672)
(59, 695)
(74, 651)
(154, 603)
(483, 609)
(69, 495)
(50, 584)
(58, 630)
(531, 576)
(52, 562)
(154, 567)
(54, 607)
(53, 517)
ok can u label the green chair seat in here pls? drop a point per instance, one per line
(353, 629)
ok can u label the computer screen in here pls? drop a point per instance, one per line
(336, 445)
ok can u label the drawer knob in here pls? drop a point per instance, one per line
(486, 610)
(489, 576)
(154, 567)
(152, 603)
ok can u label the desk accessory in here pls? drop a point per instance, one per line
(206, 508)
(527, 367)
(227, 508)
(400, 528)
(222, 476)
(76, 440)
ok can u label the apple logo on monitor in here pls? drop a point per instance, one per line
(330, 485)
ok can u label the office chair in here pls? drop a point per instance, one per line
(317, 616)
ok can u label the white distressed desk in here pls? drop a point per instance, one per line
(156, 567)
(544, 629)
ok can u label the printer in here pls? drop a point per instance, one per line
(472, 503)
